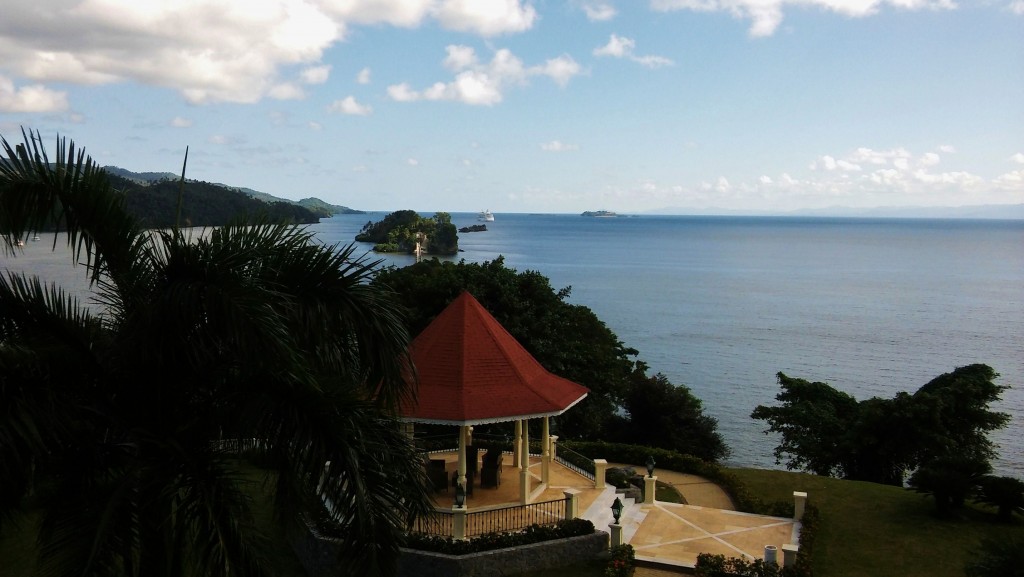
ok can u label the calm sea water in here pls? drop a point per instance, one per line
(722, 304)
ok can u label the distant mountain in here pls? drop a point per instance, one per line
(988, 211)
(315, 205)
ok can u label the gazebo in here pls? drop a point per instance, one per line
(471, 371)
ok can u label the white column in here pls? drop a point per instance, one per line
(799, 500)
(545, 458)
(459, 523)
(600, 466)
(462, 455)
(650, 484)
(572, 503)
(516, 443)
(616, 534)
(789, 552)
(524, 465)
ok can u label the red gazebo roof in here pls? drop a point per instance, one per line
(472, 371)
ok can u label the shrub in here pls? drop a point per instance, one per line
(622, 562)
(491, 541)
(997, 558)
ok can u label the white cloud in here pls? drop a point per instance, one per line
(484, 83)
(364, 76)
(617, 46)
(218, 139)
(412, 162)
(348, 105)
(1018, 158)
(947, 149)
(1016, 7)
(402, 93)
(223, 51)
(34, 98)
(316, 74)
(622, 47)
(179, 122)
(558, 146)
(599, 10)
(929, 159)
(315, 126)
(766, 15)
(485, 17)
(286, 91)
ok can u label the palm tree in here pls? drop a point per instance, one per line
(119, 417)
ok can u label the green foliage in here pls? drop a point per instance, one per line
(828, 432)
(950, 480)
(997, 558)
(709, 565)
(622, 562)
(669, 417)
(203, 204)
(120, 422)
(570, 341)
(398, 232)
(564, 529)
(1004, 493)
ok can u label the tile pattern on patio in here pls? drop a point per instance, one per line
(668, 534)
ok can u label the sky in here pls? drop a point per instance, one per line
(537, 105)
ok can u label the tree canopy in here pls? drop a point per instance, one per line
(399, 232)
(828, 432)
(570, 341)
(124, 418)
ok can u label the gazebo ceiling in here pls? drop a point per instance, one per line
(472, 371)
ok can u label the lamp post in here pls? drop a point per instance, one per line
(616, 528)
(650, 465)
(617, 510)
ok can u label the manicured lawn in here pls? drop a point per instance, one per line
(870, 530)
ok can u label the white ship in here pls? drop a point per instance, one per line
(485, 216)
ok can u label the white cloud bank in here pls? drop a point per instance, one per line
(222, 51)
(766, 15)
(484, 84)
(599, 10)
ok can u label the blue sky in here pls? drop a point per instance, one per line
(537, 106)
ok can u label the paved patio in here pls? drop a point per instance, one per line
(667, 534)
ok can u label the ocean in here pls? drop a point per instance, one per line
(722, 304)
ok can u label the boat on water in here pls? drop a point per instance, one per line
(485, 216)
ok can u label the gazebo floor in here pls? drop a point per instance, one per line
(507, 492)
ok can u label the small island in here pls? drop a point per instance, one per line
(600, 214)
(408, 232)
(474, 228)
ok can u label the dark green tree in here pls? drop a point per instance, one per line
(950, 480)
(123, 416)
(669, 417)
(828, 432)
(1006, 494)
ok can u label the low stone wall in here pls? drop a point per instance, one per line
(317, 555)
(511, 561)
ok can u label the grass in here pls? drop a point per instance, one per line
(870, 530)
